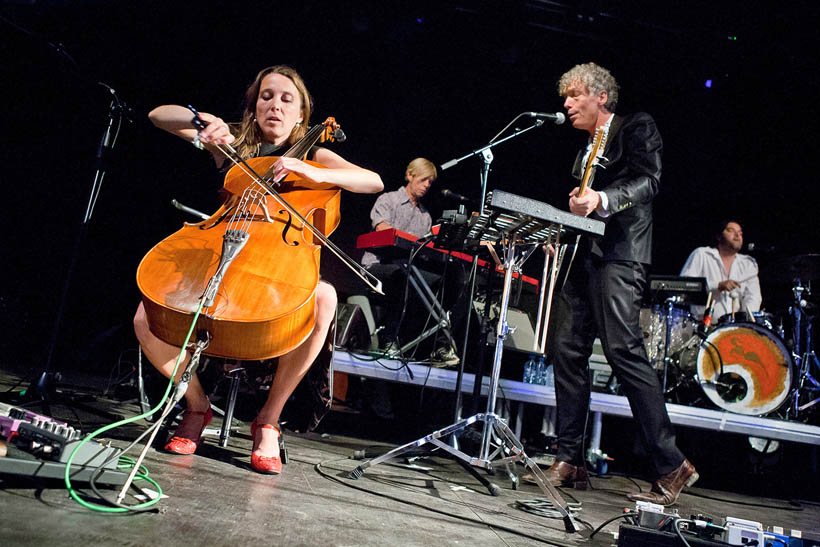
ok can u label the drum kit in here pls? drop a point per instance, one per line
(747, 363)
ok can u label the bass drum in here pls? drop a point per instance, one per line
(744, 368)
(762, 318)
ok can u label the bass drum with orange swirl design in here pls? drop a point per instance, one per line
(745, 368)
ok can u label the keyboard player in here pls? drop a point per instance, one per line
(403, 210)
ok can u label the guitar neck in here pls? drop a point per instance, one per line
(592, 160)
(585, 182)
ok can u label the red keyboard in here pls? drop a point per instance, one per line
(385, 240)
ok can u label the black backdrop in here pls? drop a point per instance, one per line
(405, 79)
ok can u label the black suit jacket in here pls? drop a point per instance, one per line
(630, 177)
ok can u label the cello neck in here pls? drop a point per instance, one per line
(303, 145)
(322, 132)
(328, 130)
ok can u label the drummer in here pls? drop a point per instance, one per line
(731, 276)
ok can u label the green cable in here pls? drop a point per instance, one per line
(144, 476)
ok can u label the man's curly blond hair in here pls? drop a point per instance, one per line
(596, 78)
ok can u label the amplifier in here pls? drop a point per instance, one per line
(692, 290)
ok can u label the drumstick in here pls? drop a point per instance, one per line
(751, 316)
(707, 312)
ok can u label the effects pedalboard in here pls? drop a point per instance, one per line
(39, 446)
(655, 526)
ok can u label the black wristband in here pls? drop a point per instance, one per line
(196, 121)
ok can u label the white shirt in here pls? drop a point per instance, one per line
(706, 262)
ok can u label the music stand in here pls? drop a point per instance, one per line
(519, 237)
(452, 230)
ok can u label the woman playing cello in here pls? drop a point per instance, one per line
(276, 113)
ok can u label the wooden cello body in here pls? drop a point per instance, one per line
(264, 306)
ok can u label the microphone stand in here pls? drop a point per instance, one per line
(43, 387)
(487, 155)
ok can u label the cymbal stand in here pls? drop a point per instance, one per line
(667, 321)
(803, 353)
(510, 447)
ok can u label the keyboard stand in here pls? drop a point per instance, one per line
(507, 448)
(434, 308)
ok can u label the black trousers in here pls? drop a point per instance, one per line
(603, 299)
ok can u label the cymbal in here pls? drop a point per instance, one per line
(786, 270)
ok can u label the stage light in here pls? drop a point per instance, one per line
(708, 84)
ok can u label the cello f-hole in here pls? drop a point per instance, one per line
(288, 224)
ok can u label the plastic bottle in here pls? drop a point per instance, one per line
(529, 370)
(549, 376)
(541, 371)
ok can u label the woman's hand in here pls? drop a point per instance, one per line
(216, 132)
(286, 165)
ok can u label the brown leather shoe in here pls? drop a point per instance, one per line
(667, 488)
(564, 474)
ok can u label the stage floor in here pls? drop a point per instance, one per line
(213, 498)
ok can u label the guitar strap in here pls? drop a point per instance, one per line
(578, 173)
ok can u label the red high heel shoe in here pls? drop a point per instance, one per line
(184, 445)
(270, 465)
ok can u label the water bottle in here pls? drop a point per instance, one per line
(540, 371)
(529, 370)
(549, 376)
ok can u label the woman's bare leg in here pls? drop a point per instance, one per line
(292, 368)
(163, 356)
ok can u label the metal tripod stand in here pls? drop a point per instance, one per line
(807, 385)
(509, 448)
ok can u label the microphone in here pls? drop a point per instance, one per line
(426, 237)
(452, 195)
(557, 117)
(339, 135)
(754, 248)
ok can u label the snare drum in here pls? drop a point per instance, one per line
(745, 368)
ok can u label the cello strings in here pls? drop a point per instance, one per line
(230, 153)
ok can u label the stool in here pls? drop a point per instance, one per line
(235, 372)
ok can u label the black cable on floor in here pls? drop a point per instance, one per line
(630, 514)
(323, 473)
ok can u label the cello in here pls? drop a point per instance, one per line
(252, 267)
